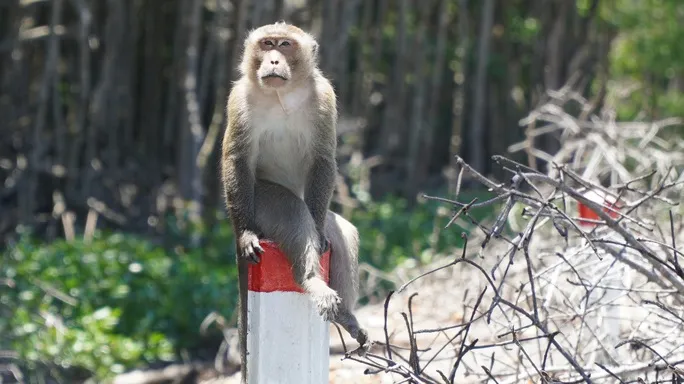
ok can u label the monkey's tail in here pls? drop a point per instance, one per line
(242, 316)
(344, 244)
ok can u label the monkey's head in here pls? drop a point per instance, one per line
(278, 55)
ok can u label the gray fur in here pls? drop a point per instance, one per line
(336, 301)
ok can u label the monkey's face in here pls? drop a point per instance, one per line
(277, 56)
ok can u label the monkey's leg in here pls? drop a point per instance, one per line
(344, 275)
(284, 218)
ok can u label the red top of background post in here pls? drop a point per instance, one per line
(609, 205)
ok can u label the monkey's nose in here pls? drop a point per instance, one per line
(274, 62)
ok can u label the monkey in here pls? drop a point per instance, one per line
(278, 169)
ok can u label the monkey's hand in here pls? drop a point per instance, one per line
(248, 246)
(348, 321)
(365, 343)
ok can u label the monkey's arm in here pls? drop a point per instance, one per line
(320, 188)
(321, 179)
(238, 181)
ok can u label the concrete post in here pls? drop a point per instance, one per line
(287, 340)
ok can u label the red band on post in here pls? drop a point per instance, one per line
(274, 271)
(608, 205)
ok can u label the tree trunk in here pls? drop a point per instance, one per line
(192, 132)
(417, 126)
(477, 134)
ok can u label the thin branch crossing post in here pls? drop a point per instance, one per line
(287, 340)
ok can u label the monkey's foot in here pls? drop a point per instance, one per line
(325, 299)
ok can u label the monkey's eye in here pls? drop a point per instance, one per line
(268, 42)
(285, 44)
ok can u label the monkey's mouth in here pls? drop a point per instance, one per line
(274, 75)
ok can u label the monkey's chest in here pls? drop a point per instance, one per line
(284, 153)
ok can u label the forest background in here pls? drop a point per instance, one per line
(115, 242)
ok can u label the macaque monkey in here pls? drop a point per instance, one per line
(278, 171)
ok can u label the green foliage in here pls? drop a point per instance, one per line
(647, 54)
(522, 28)
(391, 234)
(108, 304)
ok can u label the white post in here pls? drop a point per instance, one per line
(608, 318)
(287, 340)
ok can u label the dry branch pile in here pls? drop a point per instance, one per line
(557, 299)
